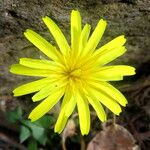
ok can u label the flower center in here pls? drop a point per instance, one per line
(74, 73)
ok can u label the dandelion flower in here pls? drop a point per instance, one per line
(74, 74)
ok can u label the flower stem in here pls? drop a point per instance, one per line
(114, 119)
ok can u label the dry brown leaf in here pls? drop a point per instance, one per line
(68, 132)
(69, 129)
(113, 137)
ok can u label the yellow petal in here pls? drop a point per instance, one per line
(61, 121)
(75, 29)
(103, 77)
(40, 64)
(95, 37)
(84, 113)
(106, 100)
(121, 70)
(110, 73)
(42, 44)
(105, 54)
(110, 91)
(67, 96)
(65, 112)
(98, 108)
(22, 70)
(101, 74)
(44, 92)
(108, 55)
(31, 87)
(46, 105)
(70, 106)
(49, 89)
(117, 42)
(84, 37)
(58, 35)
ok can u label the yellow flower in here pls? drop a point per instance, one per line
(76, 74)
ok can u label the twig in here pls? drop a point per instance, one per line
(82, 143)
(114, 119)
(63, 145)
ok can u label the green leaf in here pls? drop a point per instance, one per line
(38, 132)
(45, 121)
(14, 115)
(32, 145)
(24, 133)
(19, 112)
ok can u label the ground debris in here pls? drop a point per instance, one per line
(113, 137)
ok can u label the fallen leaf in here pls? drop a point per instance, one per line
(113, 137)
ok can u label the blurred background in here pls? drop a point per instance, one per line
(128, 17)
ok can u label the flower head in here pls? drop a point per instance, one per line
(76, 74)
